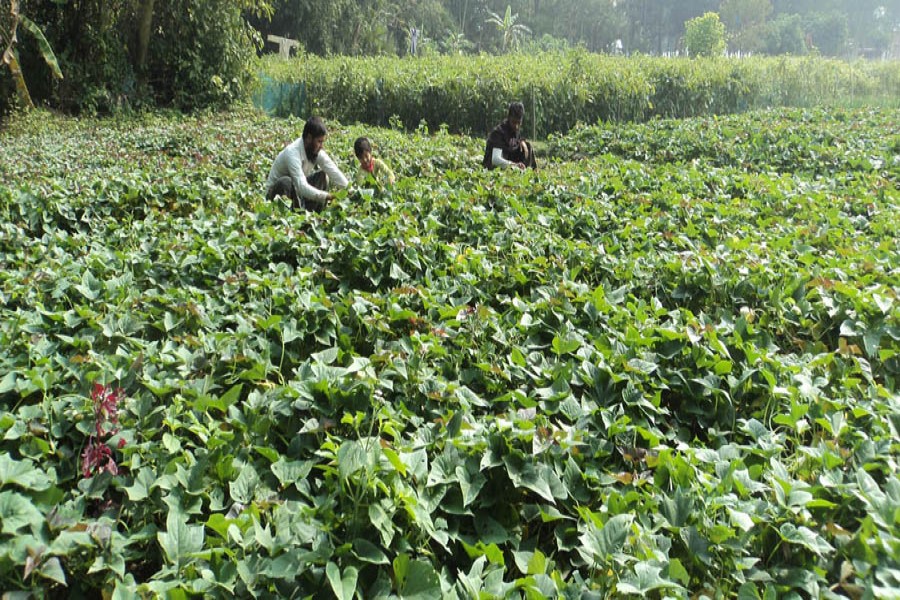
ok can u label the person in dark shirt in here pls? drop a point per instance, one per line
(505, 147)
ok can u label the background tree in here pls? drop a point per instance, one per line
(705, 35)
(126, 53)
(595, 23)
(365, 27)
(785, 35)
(511, 32)
(455, 43)
(745, 22)
(828, 31)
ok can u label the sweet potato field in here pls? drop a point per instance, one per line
(664, 365)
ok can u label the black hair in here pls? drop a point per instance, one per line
(516, 110)
(314, 128)
(361, 145)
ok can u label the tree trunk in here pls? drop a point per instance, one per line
(145, 26)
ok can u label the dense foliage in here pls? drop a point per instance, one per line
(121, 54)
(705, 35)
(193, 53)
(668, 368)
(561, 89)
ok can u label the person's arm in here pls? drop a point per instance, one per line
(385, 170)
(304, 190)
(498, 161)
(335, 176)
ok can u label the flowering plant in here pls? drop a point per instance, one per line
(97, 456)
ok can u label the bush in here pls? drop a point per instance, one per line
(705, 35)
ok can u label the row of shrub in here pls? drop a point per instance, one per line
(468, 94)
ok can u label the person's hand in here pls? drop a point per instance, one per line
(520, 166)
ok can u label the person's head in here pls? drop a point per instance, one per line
(314, 133)
(362, 148)
(515, 115)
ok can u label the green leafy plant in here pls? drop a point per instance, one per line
(705, 35)
(510, 31)
(664, 364)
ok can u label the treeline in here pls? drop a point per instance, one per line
(826, 27)
(115, 54)
(469, 94)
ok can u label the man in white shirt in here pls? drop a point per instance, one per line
(303, 171)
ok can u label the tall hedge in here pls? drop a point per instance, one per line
(469, 94)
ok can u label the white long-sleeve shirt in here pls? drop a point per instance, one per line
(292, 162)
(497, 159)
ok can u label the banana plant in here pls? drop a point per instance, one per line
(510, 31)
(9, 24)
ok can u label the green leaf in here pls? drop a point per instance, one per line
(89, 287)
(598, 545)
(531, 563)
(470, 483)
(8, 383)
(141, 486)
(43, 45)
(263, 536)
(344, 587)
(398, 273)
(171, 443)
(677, 572)
(230, 397)
(489, 530)
(17, 511)
(22, 473)
(180, 540)
(696, 544)
(243, 489)
(805, 537)
(382, 522)
(289, 332)
(52, 569)
(416, 580)
(645, 579)
(326, 357)
(740, 519)
(517, 357)
(395, 461)
(170, 321)
(565, 345)
(642, 366)
(219, 523)
(291, 472)
(368, 552)
(678, 509)
(537, 478)
(351, 457)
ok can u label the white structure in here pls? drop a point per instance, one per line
(284, 45)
